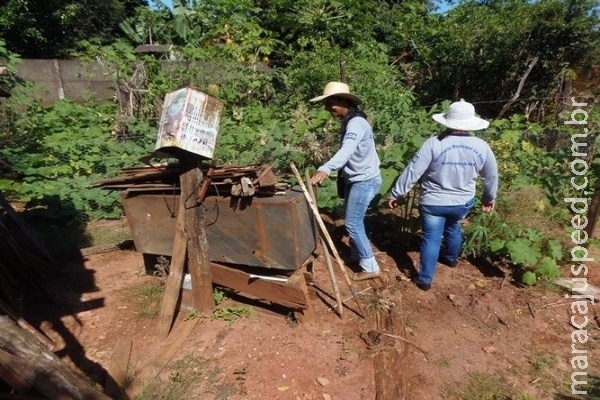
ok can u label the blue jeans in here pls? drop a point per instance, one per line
(357, 198)
(440, 222)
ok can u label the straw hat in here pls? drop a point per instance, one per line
(337, 89)
(461, 116)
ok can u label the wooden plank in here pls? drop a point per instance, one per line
(116, 378)
(25, 325)
(327, 237)
(304, 315)
(13, 396)
(107, 248)
(23, 355)
(15, 372)
(151, 370)
(583, 289)
(198, 260)
(176, 273)
(286, 294)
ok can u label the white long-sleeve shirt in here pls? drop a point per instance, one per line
(448, 171)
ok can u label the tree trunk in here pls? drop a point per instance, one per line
(389, 371)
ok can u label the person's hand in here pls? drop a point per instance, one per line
(487, 207)
(318, 177)
(392, 203)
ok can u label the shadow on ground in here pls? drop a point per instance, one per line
(56, 282)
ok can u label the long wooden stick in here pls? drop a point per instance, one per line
(325, 233)
(332, 276)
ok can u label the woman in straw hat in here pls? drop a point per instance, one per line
(447, 166)
(358, 163)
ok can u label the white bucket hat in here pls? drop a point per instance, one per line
(337, 89)
(461, 116)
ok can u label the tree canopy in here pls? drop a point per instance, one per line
(488, 51)
(53, 28)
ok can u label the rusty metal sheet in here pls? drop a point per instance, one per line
(269, 232)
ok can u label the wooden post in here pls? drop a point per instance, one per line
(593, 212)
(197, 242)
(389, 368)
(190, 244)
(342, 68)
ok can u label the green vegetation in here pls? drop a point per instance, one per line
(264, 62)
(148, 299)
(229, 313)
(52, 28)
(185, 376)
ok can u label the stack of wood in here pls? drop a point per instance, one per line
(219, 180)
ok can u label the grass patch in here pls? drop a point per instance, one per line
(541, 360)
(529, 206)
(480, 386)
(107, 232)
(185, 381)
(148, 298)
(443, 362)
(76, 235)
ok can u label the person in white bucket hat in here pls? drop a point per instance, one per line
(358, 165)
(447, 166)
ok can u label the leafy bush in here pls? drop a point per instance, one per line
(60, 151)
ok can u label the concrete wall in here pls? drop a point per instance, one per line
(74, 80)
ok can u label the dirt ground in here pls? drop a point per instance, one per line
(477, 334)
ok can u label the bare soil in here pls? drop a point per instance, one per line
(476, 334)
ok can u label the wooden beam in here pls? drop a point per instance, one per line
(288, 294)
(198, 260)
(116, 377)
(173, 289)
(169, 348)
(307, 314)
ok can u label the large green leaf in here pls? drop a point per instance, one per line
(522, 252)
(548, 268)
(529, 278)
